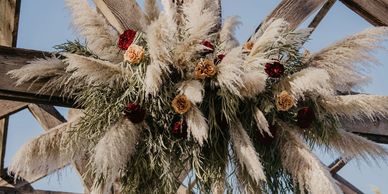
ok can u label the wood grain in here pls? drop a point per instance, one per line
(373, 11)
(10, 107)
(3, 141)
(47, 116)
(9, 19)
(376, 131)
(14, 58)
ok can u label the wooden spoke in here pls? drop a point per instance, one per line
(375, 12)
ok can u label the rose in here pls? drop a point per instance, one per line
(126, 39)
(205, 68)
(284, 101)
(209, 47)
(179, 128)
(134, 54)
(248, 46)
(134, 113)
(274, 70)
(305, 117)
(181, 104)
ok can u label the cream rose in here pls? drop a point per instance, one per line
(284, 101)
(134, 54)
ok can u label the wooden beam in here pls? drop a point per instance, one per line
(338, 164)
(46, 115)
(9, 22)
(373, 11)
(294, 11)
(376, 131)
(345, 186)
(9, 107)
(3, 141)
(14, 58)
(321, 14)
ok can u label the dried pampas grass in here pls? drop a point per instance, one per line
(305, 168)
(45, 154)
(36, 69)
(197, 125)
(113, 152)
(193, 89)
(227, 34)
(245, 153)
(347, 59)
(358, 107)
(100, 37)
(311, 80)
(230, 71)
(151, 10)
(262, 123)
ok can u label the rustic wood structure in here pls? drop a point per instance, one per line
(14, 99)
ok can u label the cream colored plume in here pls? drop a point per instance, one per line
(298, 37)
(38, 68)
(347, 60)
(271, 36)
(151, 10)
(254, 78)
(227, 34)
(101, 39)
(245, 153)
(305, 168)
(351, 145)
(230, 73)
(45, 154)
(262, 123)
(359, 106)
(193, 89)
(310, 80)
(93, 71)
(113, 152)
(197, 125)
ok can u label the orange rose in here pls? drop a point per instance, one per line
(134, 54)
(284, 101)
(248, 46)
(181, 104)
(205, 68)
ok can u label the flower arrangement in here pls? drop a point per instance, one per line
(167, 91)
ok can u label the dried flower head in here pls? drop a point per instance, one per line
(134, 54)
(248, 46)
(205, 68)
(284, 101)
(181, 104)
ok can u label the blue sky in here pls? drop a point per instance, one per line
(45, 23)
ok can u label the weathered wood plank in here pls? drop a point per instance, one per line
(9, 20)
(10, 107)
(3, 141)
(294, 11)
(46, 115)
(345, 186)
(375, 12)
(14, 58)
(376, 131)
(321, 14)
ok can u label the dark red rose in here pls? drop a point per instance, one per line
(305, 117)
(274, 70)
(209, 47)
(126, 39)
(179, 128)
(219, 58)
(265, 139)
(134, 113)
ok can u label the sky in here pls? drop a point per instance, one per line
(45, 23)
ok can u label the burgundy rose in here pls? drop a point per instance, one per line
(305, 117)
(274, 70)
(134, 113)
(126, 39)
(219, 58)
(209, 47)
(179, 128)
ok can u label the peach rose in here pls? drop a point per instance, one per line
(205, 68)
(248, 46)
(284, 101)
(134, 54)
(181, 104)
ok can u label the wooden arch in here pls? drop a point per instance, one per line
(14, 99)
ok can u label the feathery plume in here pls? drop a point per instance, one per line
(193, 89)
(101, 38)
(151, 10)
(357, 106)
(46, 153)
(262, 123)
(310, 80)
(347, 60)
(245, 152)
(113, 152)
(94, 71)
(304, 167)
(230, 72)
(227, 34)
(37, 69)
(197, 125)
